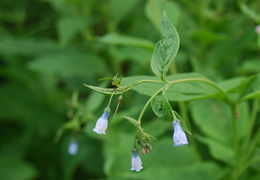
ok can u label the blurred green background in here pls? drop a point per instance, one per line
(49, 48)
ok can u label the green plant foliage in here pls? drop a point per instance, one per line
(180, 81)
(166, 49)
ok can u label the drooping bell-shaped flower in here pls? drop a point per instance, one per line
(179, 137)
(101, 124)
(136, 162)
(73, 148)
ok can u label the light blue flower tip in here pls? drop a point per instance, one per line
(73, 148)
(179, 137)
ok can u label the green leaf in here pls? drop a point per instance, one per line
(214, 119)
(199, 171)
(69, 27)
(108, 90)
(161, 107)
(252, 89)
(67, 64)
(218, 150)
(251, 65)
(131, 120)
(249, 12)
(155, 8)
(119, 9)
(183, 91)
(166, 49)
(157, 127)
(118, 39)
(15, 46)
(15, 168)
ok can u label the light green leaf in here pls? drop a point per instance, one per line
(119, 9)
(182, 91)
(155, 8)
(166, 49)
(68, 27)
(199, 171)
(161, 107)
(67, 64)
(218, 150)
(14, 46)
(118, 39)
(157, 127)
(251, 65)
(214, 119)
(249, 12)
(252, 89)
(16, 169)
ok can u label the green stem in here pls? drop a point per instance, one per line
(248, 152)
(235, 142)
(251, 122)
(146, 105)
(228, 100)
(110, 100)
(248, 160)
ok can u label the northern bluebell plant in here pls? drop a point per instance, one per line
(183, 87)
(165, 50)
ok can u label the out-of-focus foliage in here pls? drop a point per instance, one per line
(50, 48)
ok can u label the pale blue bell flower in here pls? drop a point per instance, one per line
(136, 162)
(179, 137)
(102, 123)
(73, 148)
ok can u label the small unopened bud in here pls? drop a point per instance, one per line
(146, 149)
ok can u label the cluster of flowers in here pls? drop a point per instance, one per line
(179, 138)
